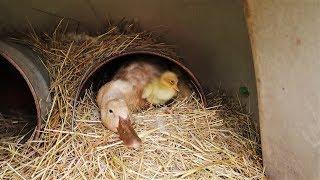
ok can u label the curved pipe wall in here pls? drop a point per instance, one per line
(24, 84)
(106, 68)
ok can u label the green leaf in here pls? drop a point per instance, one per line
(244, 91)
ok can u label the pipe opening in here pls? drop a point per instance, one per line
(103, 72)
(18, 114)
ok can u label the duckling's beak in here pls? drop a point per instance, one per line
(175, 87)
(127, 134)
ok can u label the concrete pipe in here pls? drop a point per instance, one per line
(102, 71)
(24, 91)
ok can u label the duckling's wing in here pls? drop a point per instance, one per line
(147, 91)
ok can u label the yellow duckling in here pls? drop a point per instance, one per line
(162, 89)
(117, 98)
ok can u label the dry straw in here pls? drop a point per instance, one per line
(183, 141)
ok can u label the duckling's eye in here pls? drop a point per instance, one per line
(172, 82)
(110, 111)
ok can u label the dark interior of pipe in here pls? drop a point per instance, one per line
(106, 72)
(17, 107)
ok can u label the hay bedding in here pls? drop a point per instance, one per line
(183, 141)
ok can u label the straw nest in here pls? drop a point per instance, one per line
(184, 140)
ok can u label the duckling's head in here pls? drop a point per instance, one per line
(170, 79)
(116, 117)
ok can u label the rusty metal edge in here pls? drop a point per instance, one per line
(94, 67)
(36, 132)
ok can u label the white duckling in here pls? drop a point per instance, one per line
(117, 98)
